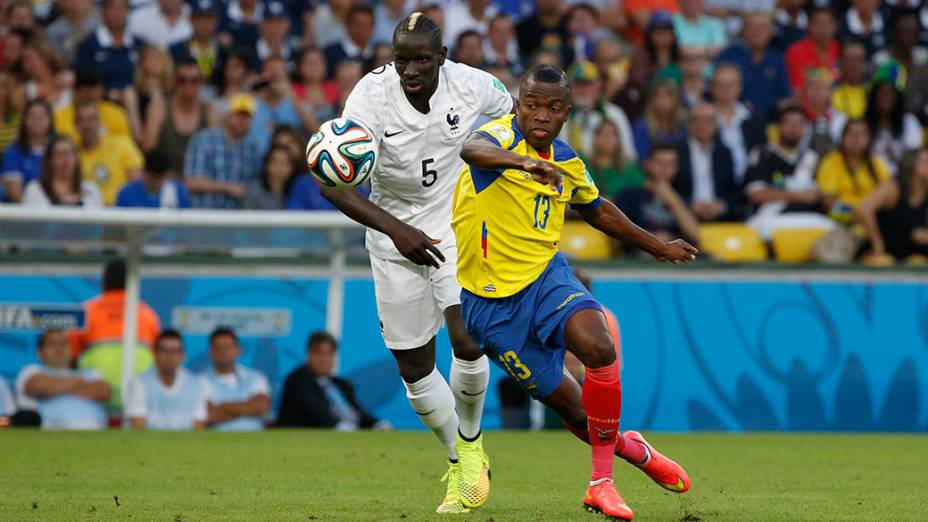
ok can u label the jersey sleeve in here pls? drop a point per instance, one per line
(365, 103)
(583, 193)
(494, 99)
(499, 132)
(136, 401)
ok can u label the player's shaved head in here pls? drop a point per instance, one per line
(420, 25)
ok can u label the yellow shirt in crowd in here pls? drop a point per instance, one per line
(115, 161)
(835, 179)
(113, 121)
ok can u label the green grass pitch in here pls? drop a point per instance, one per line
(326, 476)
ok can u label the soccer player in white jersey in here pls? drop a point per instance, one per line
(167, 397)
(421, 108)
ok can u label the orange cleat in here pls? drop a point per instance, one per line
(667, 473)
(603, 498)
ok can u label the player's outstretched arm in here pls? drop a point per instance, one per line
(480, 152)
(411, 242)
(613, 222)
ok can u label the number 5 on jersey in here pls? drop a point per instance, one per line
(429, 176)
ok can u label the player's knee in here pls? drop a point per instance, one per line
(600, 353)
(575, 419)
(464, 347)
(413, 371)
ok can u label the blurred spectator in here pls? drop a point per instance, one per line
(239, 26)
(238, 397)
(693, 69)
(155, 189)
(818, 50)
(863, 22)
(329, 22)
(640, 13)
(387, 15)
(660, 50)
(65, 398)
(500, 48)
(850, 95)
(234, 75)
(359, 27)
(314, 398)
(607, 164)
(815, 99)
(467, 15)
(435, 13)
(892, 130)
(7, 405)
(167, 396)
(656, 206)
(306, 195)
(88, 88)
(220, 161)
(347, 75)
(60, 181)
(47, 77)
(895, 214)
(276, 104)
(19, 16)
(664, 118)
(582, 30)
(732, 12)
(171, 121)
(906, 51)
(590, 110)
(99, 345)
(763, 71)
(272, 190)
(310, 87)
(154, 77)
(162, 24)
(706, 180)
(694, 29)
(469, 49)
(845, 176)
(275, 37)
(382, 55)
(613, 67)
(111, 49)
(780, 182)
(22, 161)
(739, 130)
(203, 46)
(110, 161)
(791, 23)
(546, 27)
(77, 20)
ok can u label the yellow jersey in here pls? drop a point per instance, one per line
(835, 180)
(508, 225)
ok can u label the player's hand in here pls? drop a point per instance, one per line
(544, 172)
(417, 247)
(677, 251)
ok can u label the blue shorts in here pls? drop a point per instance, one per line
(524, 333)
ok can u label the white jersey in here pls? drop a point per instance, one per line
(419, 160)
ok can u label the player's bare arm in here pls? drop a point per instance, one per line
(411, 242)
(480, 152)
(613, 222)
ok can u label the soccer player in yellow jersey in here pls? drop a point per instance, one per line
(522, 303)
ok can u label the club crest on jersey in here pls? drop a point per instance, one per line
(453, 120)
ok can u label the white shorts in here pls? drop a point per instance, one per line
(411, 299)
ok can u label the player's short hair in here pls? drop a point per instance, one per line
(168, 333)
(320, 337)
(419, 24)
(40, 343)
(114, 273)
(545, 73)
(221, 331)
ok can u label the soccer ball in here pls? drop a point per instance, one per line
(342, 153)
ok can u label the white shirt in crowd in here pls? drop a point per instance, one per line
(701, 167)
(34, 195)
(733, 138)
(7, 406)
(420, 153)
(65, 411)
(174, 407)
(458, 19)
(151, 26)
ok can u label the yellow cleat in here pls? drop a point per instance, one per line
(474, 482)
(452, 502)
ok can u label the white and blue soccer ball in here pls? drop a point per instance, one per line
(342, 153)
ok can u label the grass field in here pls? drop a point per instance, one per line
(325, 476)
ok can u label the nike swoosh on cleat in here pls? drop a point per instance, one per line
(426, 413)
(388, 134)
(464, 392)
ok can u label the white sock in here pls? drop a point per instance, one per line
(469, 380)
(432, 400)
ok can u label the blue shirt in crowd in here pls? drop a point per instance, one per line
(171, 195)
(210, 154)
(266, 118)
(765, 83)
(19, 164)
(115, 65)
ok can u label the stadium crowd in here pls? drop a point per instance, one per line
(781, 115)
